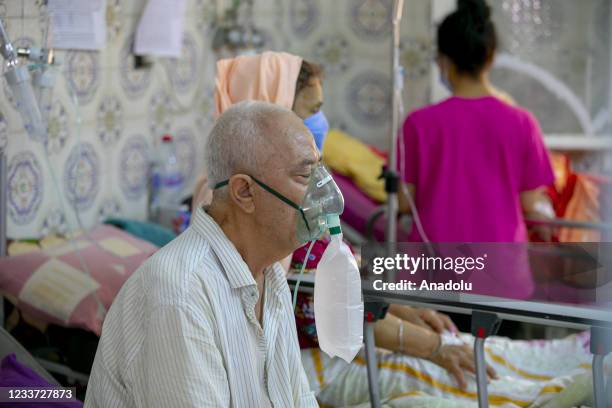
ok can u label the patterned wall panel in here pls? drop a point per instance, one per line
(25, 187)
(133, 169)
(107, 116)
(83, 74)
(369, 19)
(304, 17)
(81, 176)
(117, 105)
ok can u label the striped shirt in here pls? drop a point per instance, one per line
(183, 332)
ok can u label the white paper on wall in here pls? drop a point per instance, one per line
(160, 30)
(57, 288)
(78, 24)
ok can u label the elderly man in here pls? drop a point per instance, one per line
(207, 321)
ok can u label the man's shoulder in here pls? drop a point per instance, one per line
(171, 274)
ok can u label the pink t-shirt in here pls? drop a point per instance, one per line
(469, 160)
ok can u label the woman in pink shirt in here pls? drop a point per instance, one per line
(475, 164)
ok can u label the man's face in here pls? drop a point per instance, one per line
(287, 170)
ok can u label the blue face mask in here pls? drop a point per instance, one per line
(318, 126)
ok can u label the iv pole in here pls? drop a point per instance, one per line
(377, 310)
(18, 79)
(392, 178)
(8, 52)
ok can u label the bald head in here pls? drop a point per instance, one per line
(249, 138)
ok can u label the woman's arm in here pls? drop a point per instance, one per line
(537, 206)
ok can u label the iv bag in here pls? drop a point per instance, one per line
(337, 301)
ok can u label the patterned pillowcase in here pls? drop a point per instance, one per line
(73, 283)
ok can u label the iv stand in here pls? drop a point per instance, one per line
(391, 176)
(377, 310)
(8, 52)
(10, 55)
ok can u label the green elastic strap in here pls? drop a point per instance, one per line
(274, 193)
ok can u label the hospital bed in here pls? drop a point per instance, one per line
(487, 313)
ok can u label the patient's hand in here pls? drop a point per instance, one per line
(439, 322)
(455, 359)
(427, 318)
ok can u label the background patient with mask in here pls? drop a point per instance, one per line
(276, 77)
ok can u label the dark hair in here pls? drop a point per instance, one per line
(468, 36)
(308, 72)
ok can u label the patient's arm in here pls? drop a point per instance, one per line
(418, 341)
(404, 206)
(425, 343)
(427, 318)
(537, 206)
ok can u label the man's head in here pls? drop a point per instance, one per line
(270, 143)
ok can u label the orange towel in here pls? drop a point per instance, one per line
(269, 77)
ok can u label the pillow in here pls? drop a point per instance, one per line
(15, 375)
(51, 285)
(352, 158)
(149, 231)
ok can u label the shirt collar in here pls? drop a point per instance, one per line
(275, 277)
(237, 270)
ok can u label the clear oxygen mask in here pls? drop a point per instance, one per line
(322, 199)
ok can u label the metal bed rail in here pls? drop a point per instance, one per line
(552, 223)
(564, 223)
(601, 339)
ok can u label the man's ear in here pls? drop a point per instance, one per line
(240, 188)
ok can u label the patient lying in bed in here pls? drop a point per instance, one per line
(553, 373)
